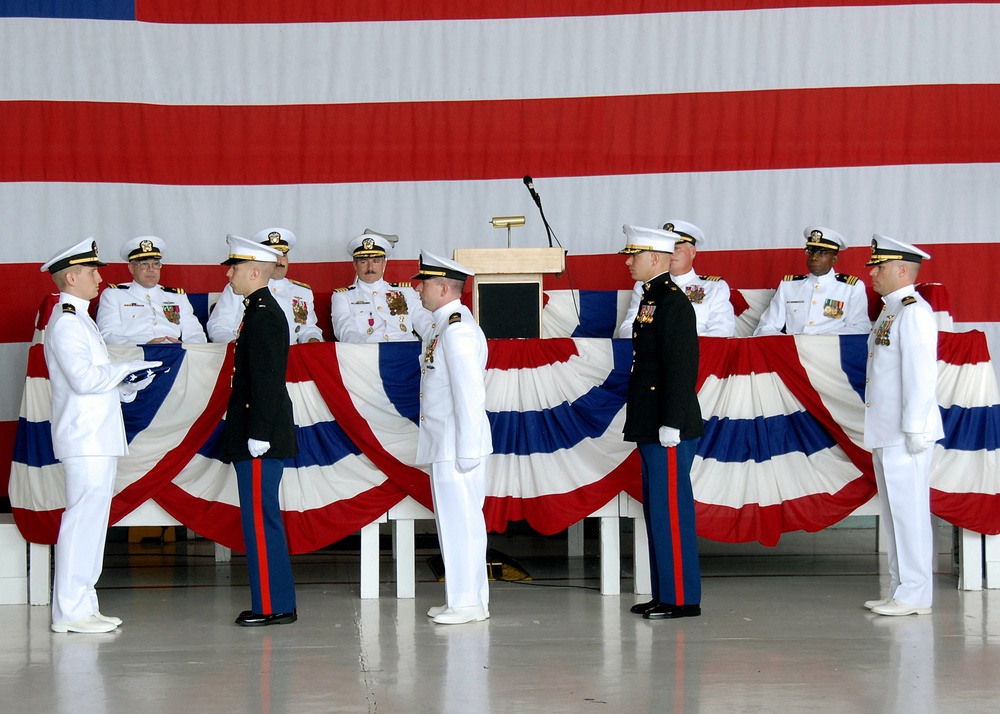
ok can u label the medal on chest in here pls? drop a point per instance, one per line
(172, 313)
(834, 309)
(300, 309)
(882, 331)
(645, 316)
(695, 293)
(429, 353)
(396, 302)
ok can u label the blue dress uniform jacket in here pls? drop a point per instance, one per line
(662, 386)
(662, 392)
(259, 406)
(831, 304)
(129, 314)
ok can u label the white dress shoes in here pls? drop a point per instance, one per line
(436, 610)
(895, 608)
(875, 603)
(116, 621)
(87, 625)
(461, 615)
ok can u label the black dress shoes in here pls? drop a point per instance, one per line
(249, 618)
(642, 607)
(666, 611)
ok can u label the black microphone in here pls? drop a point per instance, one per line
(531, 190)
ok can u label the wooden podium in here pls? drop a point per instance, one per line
(507, 288)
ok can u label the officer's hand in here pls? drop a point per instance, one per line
(669, 436)
(916, 443)
(126, 389)
(257, 448)
(464, 466)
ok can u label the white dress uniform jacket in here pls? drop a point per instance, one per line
(453, 420)
(831, 304)
(375, 312)
(901, 391)
(129, 314)
(709, 296)
(86, 409)
(296, 301)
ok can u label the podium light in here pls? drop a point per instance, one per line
(507, 222)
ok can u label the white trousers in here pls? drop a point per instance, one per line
(904, 486)
(461, 527)
(90, 483)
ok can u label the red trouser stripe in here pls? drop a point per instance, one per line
(675, 526)
(258, 527)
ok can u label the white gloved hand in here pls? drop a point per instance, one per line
(916, 443)
(126, 389)
(257, 448)
(669, 436)
(464, 466)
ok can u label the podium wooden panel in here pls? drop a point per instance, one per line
(507, 288)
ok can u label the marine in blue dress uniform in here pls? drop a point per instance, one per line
(663, 417)
(260, 432)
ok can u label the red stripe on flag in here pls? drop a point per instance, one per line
(510, 354)
(477, 140)
(247, 11)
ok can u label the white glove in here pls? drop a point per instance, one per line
(126, 389)
(669, 436)
(916, 443)
(464, 466)
(257, 448)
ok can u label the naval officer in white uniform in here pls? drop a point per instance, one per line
(143, 311)
(295, 298)
(822, 302)
(902, 422)
(88, 435)
(372, 309)
(708, 294)
(454, 437)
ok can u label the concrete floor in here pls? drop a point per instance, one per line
(783, 630)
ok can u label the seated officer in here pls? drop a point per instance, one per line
(144, 311)
(709, 294)
(371, 309)
(295, 298)
(822, 302)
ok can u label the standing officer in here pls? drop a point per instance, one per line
(294, 298)
(902, 422)
(88, 435)
(371, 309)
(708, 294)
(454, 437)
(259, 433)
(822, 302)
(663, 417)
(144, 311)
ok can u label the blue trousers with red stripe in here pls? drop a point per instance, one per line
(668, 506)
(271, 587)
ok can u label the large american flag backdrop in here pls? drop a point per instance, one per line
(190, 119)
